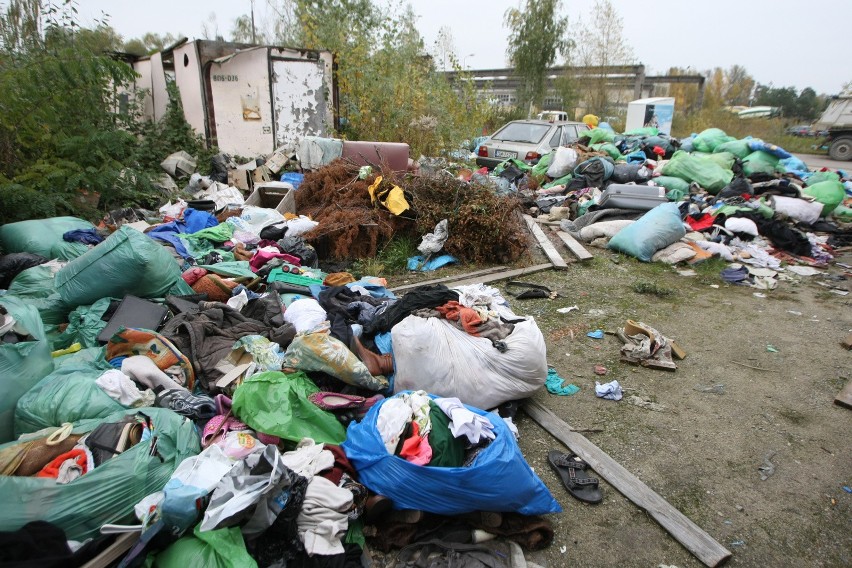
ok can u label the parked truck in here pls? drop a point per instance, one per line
(837, 121)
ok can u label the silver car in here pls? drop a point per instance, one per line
(527, 140)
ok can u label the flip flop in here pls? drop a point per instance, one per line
(335, 401)
(572, 471)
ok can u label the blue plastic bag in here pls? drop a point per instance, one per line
(777, 151)
(498, 480)
(656, 229)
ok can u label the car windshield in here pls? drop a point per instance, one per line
(526, 132)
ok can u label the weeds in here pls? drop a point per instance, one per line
(654, 289)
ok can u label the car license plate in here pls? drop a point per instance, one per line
(505, 154)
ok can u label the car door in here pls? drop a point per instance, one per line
(557, 139)
(569, 135)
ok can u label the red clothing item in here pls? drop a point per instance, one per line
(261, 257)
(52, 469)
(416, 449)
(454, 311)
(703, 222)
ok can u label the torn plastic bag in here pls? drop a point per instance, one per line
(655, 230)
(127, 262)
(277, 404)
(499, 479)
(433, 242)
(84, 325)
(433, 355)
(108, 493)
(23, 364)
(251, 494)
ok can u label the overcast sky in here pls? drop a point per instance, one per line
(784, 42)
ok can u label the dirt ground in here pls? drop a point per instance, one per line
(732, 402)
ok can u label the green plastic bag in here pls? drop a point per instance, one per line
(559, 181)
(672, 183)
(609, 149)
(84, 325)
(675, 194)
(127, 262)
(598, 135)
(520, 164)
(710, 139)
(843, 214)
(706, 173)
(108, 493)
(68, 394)
(40, 236)
(233, 269)
(818, 177)
(35, 282)
(760, 162)
(738, 148)
(222, 548)
(277, 403)
(829, 193)
(724, 159)
(540, 169)
(22, 365)
(644, 131)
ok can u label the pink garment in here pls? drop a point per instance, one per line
(261, 257)
(193, 275)
(416, 449)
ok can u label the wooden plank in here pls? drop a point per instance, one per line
(502, 275)
(114, 551)
(545, 244)
(575, 247)
(449, 278)
(690, 535)
(844, 397)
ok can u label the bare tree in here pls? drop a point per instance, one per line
(599, 43)
(445, 49)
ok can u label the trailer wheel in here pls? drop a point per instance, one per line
(841, 149)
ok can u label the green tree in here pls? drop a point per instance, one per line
(537, 34)
(62, 138)
(150, 43)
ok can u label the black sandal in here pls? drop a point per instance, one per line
(568, 467)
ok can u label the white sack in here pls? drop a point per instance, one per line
(431, 354)
(563, 162)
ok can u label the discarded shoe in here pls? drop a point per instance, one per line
(572, 471)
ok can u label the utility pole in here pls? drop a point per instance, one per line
(253, 34)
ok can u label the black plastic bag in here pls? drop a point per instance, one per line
(13, 264)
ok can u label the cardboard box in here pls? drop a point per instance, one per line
(278, 195)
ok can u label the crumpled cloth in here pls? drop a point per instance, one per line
(122, 389)
(323, 521)
(465, 423)
(398, 411)
(609, 391)
(308, 459)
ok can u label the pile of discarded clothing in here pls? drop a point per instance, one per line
(671, 200)
(199, 385)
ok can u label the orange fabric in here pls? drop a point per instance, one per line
(338, 279)
(416, 448)
(468, 317)
(52, 469)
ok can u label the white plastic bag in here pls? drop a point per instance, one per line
(431, 354)
(563, 162)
